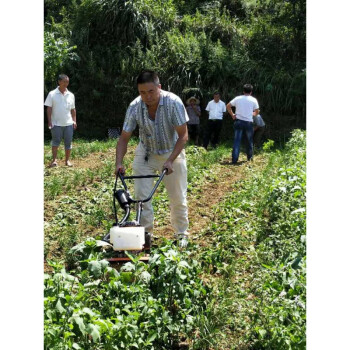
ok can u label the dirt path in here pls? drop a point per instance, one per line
(201, 207)
(92, 161)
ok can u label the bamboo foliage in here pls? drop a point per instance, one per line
(205, 45)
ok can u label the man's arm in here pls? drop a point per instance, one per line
(256, 112)
(229, 110)
(49, 113)
(121, 149)
(74, 117)
(179, 145)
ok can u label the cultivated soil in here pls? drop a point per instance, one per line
(201, 203)
(201, 207)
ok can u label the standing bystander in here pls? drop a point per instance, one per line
(216, 109)
(61, 118)
(246, 107)
(194, 112)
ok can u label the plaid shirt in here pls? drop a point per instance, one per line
(157, 136)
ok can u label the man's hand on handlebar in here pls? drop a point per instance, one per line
(120, 168)
(169, 166)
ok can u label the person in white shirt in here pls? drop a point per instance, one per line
(246, 107)
(216, 109)
(61, 117)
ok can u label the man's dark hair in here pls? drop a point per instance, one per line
(148, 76)
(247, 88)
(216, 93)
(62, 77)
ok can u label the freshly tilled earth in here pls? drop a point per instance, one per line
(201, 203)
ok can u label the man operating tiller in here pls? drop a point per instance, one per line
(161, 117)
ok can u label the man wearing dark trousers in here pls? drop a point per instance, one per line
(246, 107)
(216, 109)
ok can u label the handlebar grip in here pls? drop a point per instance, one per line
(119, 173)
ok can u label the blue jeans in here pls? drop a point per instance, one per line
(240, 127)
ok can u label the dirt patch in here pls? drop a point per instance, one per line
(94, 160)
(201, 206)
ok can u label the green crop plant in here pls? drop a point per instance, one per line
(54, 186)
(258, 264)
(142, 306)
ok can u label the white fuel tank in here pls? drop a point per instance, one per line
(127, 238)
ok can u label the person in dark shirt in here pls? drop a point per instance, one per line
(194, 112)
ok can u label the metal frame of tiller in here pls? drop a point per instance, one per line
(125, 200)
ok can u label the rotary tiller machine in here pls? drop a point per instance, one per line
(130, 235)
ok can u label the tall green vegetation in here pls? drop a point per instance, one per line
(58, 47)
(204, 45)
(259, 264)
(56, 52)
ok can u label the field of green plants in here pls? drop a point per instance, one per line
(241, 284)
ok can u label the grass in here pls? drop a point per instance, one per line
(68, 181)
(83, 148)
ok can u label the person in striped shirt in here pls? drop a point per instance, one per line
(162, 120)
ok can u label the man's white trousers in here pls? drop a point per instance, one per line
(175, 184)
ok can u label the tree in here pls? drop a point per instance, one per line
(57, 52)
